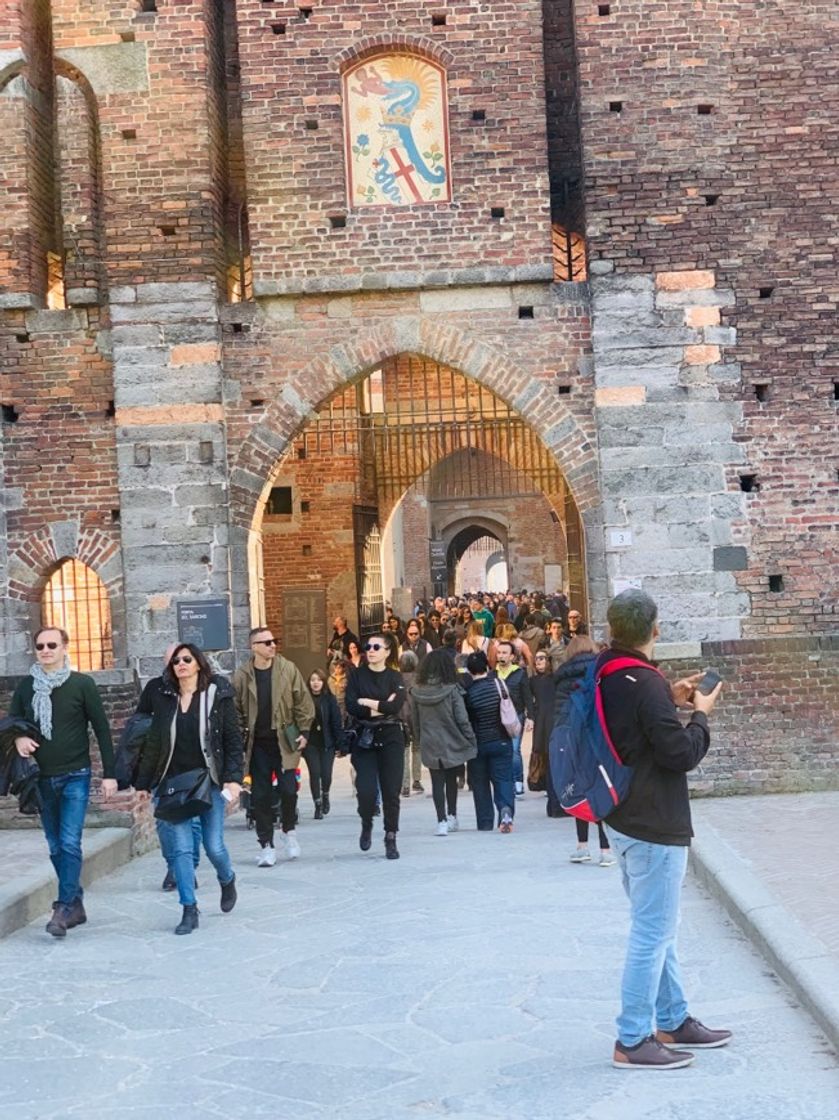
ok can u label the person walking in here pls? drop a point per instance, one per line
(276, 710)
(491, 770)
(194, 727)
(414, 642)
(444, 733)
(324, 738)
(542, 690)
(651, 831)
(62, 704)
(412, 770)
(517, 682)
(375, 697)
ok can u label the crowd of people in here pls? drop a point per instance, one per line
(454, 688)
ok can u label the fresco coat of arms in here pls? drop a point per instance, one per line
(397, 134)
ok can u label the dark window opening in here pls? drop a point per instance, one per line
(496, 212)
(278, 28)
(307, 550)
(279, 501)
(525, 312)
(129, 134)
(10, 414)
(563, 390)
(305, 507)
(116, 514)
(704, 110)
(24, 337)
(749, 483)
(301, 452)
(305, 13)
(111, 410)
(762, 392)
(205, 451)
(148, 5)
(237, 328)
(604, 9)
(312, 126)
(615, 106)
(479, 114)
(836, 390)
(257, 402)
(765, 293)
(168, 231)
(711, 199)
(776, 584)
(338, 221)
(438, 19)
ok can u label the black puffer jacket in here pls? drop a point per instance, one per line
(225, 738)
(568, 677)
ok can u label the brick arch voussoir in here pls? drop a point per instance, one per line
(368, 46)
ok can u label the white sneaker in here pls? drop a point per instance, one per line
(452, 823)
(442, 828)
(581, 855)
(519, 789)
(606, 858)
(292, 848)
(267, 857)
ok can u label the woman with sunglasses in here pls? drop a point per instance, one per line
(543, 690)
(194, 726)
(374, 699)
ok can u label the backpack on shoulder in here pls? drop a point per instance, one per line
(587, 772)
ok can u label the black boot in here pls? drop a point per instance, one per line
(57, 925)
(391, 851)
(366, 837)
(168, 883)
(75, 915)
(318, 811)
(189, 921)
(324, 803)
(228, 896)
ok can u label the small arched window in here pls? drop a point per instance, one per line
(76, 600)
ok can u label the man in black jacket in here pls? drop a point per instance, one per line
(650, 833)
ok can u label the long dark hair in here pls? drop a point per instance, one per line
(205, 672)
(437, 668)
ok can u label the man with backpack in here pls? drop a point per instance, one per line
(650, 832)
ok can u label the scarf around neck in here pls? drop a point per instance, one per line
(43, 684)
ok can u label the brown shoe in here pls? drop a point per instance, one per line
(75, 915)
(57, 925)
(649, 1054)
(694, 1034)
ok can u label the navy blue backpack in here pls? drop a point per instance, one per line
(587, 773)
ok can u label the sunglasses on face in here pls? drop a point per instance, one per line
(185, 660)
(46, 645)
(265, 642)
(375, 645)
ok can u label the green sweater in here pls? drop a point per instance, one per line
(75, 704)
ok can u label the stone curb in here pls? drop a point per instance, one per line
(799, 958)
(24, 899)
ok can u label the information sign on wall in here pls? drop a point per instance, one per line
(204, 623)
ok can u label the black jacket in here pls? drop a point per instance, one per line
(328, 715)
(160, 701)
(648, 735)
(518, 686)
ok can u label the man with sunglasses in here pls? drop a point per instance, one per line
(62, 704)
(277, 711)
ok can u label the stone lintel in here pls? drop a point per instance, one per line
(179, 414)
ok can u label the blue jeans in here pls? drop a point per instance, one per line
(65, 799)
(518, 764)
(651, 989)
(163, 837)
(491, 779)
(180, 844)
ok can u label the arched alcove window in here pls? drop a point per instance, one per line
(76, 600)
(396, 130)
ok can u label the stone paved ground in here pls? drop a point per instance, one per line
(475, 979)
(788, 841)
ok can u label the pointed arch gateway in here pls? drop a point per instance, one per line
(364, 462)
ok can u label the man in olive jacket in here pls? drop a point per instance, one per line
(276, 710)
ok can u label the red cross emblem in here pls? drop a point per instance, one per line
(404, 172)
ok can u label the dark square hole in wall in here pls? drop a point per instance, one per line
(10, 414)
(761, 392)
(836, 390)
(749, 483)
(22, 337)
(129, 133)
(237, 328)
(148, 5)
(496, 212)
(525, 312)
(312, 126)
(438, 19)
(337, 221)
(206, 452)
(479, 115)
(279, 501)
(301, 451)
(127, 36)
(711, 199)
(305, 13)
(116, 514)
(111, 410)
(563, 390)
(704, 110)
(776, 584)
(766, 291)
(142, 455)
(615, 106)
(278, 28)
(257, 402)
(604, 9)
(307, 550)
(168, 231)
(305, 507)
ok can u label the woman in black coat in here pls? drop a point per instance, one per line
(324, 739)
(194, 727)
(542, 689)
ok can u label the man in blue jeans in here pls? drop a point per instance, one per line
(62, 704)
(650, 833)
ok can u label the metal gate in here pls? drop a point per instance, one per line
(368, 569)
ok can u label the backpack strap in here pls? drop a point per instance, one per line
(615, 666)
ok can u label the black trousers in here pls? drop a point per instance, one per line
(582, 833)
(380, 768)
(444, 790)
(267, 761)
(319, 761)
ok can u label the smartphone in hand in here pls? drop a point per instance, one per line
(709, 682)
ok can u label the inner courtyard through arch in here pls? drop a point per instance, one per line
(415, 481)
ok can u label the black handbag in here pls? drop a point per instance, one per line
(181, 796)
(355, 736)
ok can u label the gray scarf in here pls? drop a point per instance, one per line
(43, 684)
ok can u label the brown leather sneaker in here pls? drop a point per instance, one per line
(694, 1034)
(649, 1054)
(75, 915)
(57, 925)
